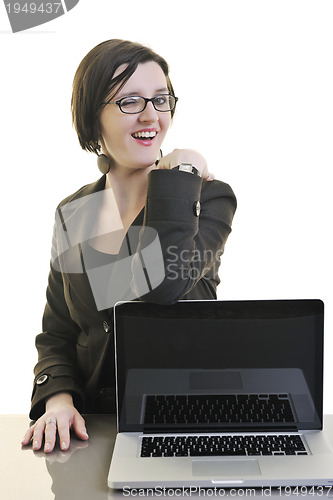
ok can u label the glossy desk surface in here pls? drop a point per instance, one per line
(81, 472)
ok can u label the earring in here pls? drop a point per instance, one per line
(161, 156)
(103, 163)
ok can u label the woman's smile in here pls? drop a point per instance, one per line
(145, 136)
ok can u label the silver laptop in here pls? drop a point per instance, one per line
(220, 394)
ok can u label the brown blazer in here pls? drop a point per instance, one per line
(76, 333)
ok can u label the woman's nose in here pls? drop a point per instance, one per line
(149, 113)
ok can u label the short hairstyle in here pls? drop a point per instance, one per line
(94, 83)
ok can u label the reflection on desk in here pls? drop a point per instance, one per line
(81, 472)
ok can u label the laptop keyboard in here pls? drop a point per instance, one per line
(203, 446)
(230, 408)
(234, 408)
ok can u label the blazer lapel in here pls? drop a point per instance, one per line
(76, 218)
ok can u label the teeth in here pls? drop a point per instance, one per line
(144, 135)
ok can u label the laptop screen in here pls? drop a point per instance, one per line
(210, 366)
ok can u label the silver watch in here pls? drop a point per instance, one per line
(187, 167)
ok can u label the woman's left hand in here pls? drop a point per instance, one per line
(178, 156)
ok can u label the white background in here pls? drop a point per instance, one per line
(254, 81)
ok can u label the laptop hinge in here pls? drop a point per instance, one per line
(204, 429)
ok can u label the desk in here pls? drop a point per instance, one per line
(79, 473)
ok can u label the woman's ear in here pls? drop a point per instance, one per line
(95, 147)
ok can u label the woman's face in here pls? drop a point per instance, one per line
(119, 139)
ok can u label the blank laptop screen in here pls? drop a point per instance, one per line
(226, 366)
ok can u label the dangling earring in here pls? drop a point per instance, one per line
(161, 156)
(103, 163)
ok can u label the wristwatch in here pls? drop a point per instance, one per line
(187, 167)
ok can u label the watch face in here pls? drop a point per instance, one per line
(186, 167)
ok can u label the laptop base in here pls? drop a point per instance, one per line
(129, 470)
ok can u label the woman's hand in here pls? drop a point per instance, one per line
(186, 156)
(61, 416)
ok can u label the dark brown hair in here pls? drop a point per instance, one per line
(94, 83)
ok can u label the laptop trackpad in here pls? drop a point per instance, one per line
(225, 467)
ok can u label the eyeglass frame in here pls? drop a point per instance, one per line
(146, 99)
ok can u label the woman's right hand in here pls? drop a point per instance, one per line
(60, 416)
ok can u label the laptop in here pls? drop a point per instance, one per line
(220, 394)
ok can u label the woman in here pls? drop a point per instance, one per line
(151, 228)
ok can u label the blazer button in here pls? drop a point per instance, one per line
(196, 208)
(42, 379)
(106, 326)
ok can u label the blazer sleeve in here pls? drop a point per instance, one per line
(56, 370)
(192, 236)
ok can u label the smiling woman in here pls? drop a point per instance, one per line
(131, 134)
(122, 104)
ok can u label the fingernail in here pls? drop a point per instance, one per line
(47, 447)
(84, 433)
(63, 445)
(35, 445)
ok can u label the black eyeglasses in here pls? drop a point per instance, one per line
(136, 104)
